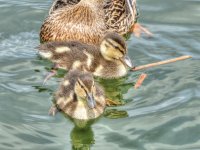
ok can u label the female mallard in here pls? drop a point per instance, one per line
(109, 60)
(79, 97)
(88, 20)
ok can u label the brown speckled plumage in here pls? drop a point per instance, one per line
(103, 61)
(118, 16)
(86, 21)
(68, 101)
(57, 4)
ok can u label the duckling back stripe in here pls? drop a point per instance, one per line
(115, 46)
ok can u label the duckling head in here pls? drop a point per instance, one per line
(113, 48)
(85, 90)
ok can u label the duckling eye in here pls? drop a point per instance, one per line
(116, 47)
(82, 86)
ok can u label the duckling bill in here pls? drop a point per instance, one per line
(109, 60)
(79, 97)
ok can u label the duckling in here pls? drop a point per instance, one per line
(109, 60)
(79, 97)
(88, 21)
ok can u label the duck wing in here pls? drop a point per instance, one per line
(62, 3)
(120, 15)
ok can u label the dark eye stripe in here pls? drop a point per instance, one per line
(82, 86)
(120, 50)
(116, 47)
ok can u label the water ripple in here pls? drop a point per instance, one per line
(165, 105)
(163, 113)
(17, 88)
(21, 45)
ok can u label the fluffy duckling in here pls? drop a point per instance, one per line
(110, 60)
(79, 97)
(88, 21)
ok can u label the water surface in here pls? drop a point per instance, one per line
(162, 114)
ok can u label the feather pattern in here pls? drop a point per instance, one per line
(87, 21)
(62, 3)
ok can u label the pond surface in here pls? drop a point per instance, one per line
(164, 114)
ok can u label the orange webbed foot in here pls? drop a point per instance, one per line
(137, 29)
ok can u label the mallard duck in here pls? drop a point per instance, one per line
(109, 60)
(79, 97)
(88, 20)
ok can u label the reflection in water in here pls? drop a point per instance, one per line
(82, 124)
(166, 112)
(41, 88)
(114, 91)
(115, 114)
(115, 88)
(82, 138)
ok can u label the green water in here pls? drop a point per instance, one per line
(162, 115)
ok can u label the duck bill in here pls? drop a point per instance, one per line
(127, 61)
(90, 101)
